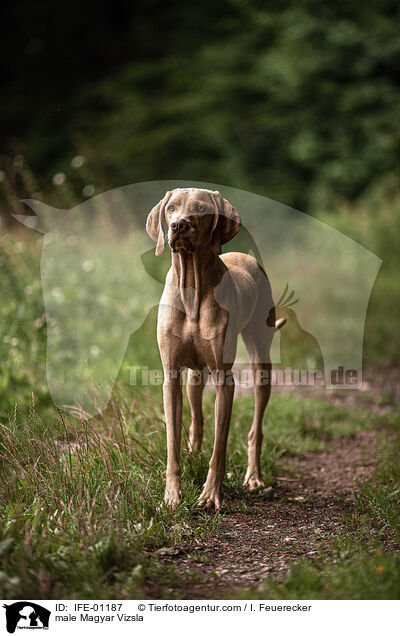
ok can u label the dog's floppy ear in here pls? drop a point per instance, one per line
(155, 223)
(226, 224)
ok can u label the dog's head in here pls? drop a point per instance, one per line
(195, 218)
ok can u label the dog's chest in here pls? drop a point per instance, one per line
(176, 320)
(192, 341)
(183, 315)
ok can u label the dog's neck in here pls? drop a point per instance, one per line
(194, 273)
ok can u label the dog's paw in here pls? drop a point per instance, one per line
(172, 499)
(167, 505)
(210, 499)
(254, 483)
(209, 503)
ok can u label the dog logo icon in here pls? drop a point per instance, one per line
(26, 615)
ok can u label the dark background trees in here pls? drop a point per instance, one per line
(296, 100)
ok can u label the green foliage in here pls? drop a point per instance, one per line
(22, 323)
(375, 223)
(272, 100)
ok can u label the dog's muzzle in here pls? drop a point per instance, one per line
(181, 225)
(177, 240)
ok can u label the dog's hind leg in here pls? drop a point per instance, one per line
(257, 339)
(194, 389)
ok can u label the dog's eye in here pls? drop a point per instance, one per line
(171, 208)
(199, 208)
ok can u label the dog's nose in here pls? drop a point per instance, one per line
(180, 225)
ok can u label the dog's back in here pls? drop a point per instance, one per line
(253, 296)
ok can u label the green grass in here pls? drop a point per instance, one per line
(363, 575)
(80, 505)
(79, 512)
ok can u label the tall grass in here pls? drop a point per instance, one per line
(80, 511)
(80, 503)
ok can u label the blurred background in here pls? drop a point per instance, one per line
(298, 101)
(295, 101)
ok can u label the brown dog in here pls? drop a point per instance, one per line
(207, 301)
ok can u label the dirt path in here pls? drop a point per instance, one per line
(298, 519)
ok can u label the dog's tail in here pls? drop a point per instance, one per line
(284, 301)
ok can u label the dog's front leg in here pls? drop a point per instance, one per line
(211, 494)
(172, 391)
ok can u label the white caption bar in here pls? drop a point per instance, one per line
(143, 617)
